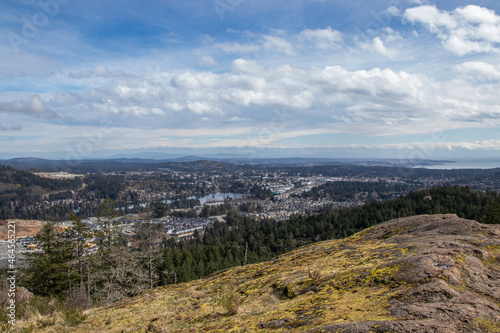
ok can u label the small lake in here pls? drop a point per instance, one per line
(220, 197)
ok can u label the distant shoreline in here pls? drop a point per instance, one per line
(448, 165)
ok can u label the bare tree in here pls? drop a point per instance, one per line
(119, 277)
(107, 235)
(149, 235)
(79, 235)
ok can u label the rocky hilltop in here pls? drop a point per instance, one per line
(430, 273)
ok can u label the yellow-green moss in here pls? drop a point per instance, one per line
(490, 325)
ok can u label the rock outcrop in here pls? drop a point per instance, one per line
(452, 272)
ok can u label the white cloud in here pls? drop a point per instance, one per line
(378, 43)
(479, 15)
(249, 66)
(394, 11)
(206, 60)
(280, 42)
(479, 70)
(238, 119)
(273, 43)
(328, 99)
(432, 17)
(377, 46)
(471, 29)
(100, 71)
(238, 47)
(493, 145)
(322, 38)
(202, 108)
(376, 101)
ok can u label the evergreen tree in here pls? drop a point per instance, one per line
(48, 270)
(492, 213)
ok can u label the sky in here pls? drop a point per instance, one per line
(407, 79)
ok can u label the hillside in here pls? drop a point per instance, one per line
(428, 273)
(23, 228)
(22, 186)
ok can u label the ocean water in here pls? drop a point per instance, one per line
(466, 165)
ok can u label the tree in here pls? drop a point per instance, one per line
(116, 272)
(107, 236)
(159, 209)
(492, 213)
(47, 271)
(118, 276)
(148, 235)
(79, 235)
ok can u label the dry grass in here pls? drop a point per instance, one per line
(345, 285)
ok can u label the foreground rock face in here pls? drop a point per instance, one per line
(431, 273)
(453, 274)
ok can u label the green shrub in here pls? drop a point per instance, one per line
(231, 302)
(74, 316)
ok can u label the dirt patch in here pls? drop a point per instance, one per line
(23, 228)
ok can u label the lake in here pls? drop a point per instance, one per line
(220, 197)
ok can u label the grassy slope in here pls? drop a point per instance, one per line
(367, 277)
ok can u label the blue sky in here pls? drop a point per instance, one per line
(396, 78)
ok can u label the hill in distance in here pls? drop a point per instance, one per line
(143, 161)
(429, 273)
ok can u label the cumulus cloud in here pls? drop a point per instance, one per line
(479, 70)
(377, 101)
(471, 29)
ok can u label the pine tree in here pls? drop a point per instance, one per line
(492, 213)
(47, 271)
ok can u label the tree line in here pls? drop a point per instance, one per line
(224, 244)
(348, 191)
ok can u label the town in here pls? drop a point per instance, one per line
(186, 198)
